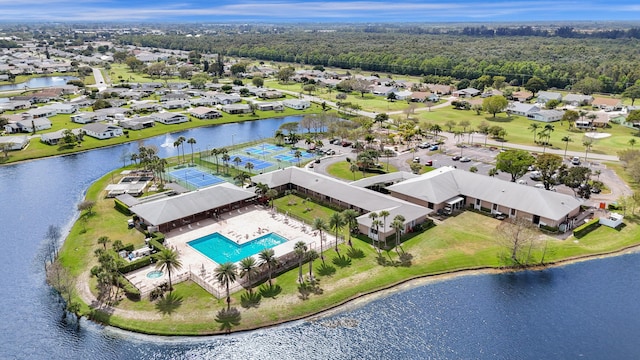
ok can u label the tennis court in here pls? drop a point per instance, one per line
(195, 177)
(263, 149)
(257, 163)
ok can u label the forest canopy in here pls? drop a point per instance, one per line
(561, 58)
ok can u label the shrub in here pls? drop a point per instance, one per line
(121, 207)
(583, 230)
(130, 291)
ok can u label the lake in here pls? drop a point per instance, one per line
(585, 310)
(39, 82)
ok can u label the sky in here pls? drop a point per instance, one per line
(290, 11)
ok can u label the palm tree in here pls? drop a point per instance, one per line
(176, 144)
(215, 152)
(103, 240)
(311, 256)
(534, 129)
(567, 140)
(225, 159)
(384, 214)
(249, 166)
(191, 141)
(237, 161)
(350, 216)
(375, 224)
(353, 168)
(398, 225)
(587, 146)
(548, 129)
(181, 141)
(134, 158)
(374, 217)
(248, 269)
(268, 256)
(297, 155)
(226, 274)
(320, 225)
(279, 136)
(271, 194)
(168, 259)
(336, 222)
(261, 189)
(632, 142)
(300, 248)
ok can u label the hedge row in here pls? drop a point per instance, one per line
(584, 229)
(121, 207)
(130, 291)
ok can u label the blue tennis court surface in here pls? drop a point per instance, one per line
(257, 163)
(263, 149)
(195, 177)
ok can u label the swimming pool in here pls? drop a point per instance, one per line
(221, 249)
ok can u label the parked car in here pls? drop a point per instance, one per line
(346, 143)
(424, 145)
(535, 175)
(428, 163)
(330, 152)
(456, 157)
(575, 160)
(317, 161)
(334, 141)
(465, 159)
(416, 159)
(433, 148)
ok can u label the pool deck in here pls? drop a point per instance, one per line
(242, 225)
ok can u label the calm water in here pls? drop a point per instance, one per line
(39, 82)
(221, 249)
(588, 310)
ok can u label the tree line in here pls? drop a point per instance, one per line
(559, 61)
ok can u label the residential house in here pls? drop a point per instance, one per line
(102, 131)
(544, 96)
(269, 106)
(296, 104)
(226, 99)
(16, 142)
(146, 107)
(269, 94)
(15, 105)
(236, 108)
(62, 108)
(113, 112)
(403, 94)
(138, 123)
(174, 97)
(53, 138)
(546, 115)
(204, 101)
(28, 125)
(169, 118)
(577, 99)
(491, 92)
(607, 104)
(440, 89)
(466, 93)
(202, 112)
(176, 104)
(522, 109)
(44, 111)
(521, 96)
(84, 117)
(381, 90)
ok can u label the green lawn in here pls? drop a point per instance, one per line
(465, 241)
(342, 170)
(518, 131)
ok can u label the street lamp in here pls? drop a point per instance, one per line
(232, 135)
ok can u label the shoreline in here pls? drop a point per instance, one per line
(363, 299)
(142, 139)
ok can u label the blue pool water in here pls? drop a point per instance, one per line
(221, 249)
(155, 274)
